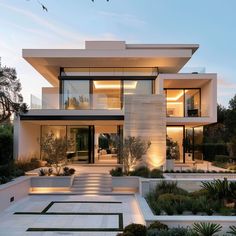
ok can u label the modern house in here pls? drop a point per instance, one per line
(111, 90)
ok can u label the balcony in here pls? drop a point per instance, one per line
(76, 102)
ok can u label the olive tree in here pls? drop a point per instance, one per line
(54, 150)
(131, 151)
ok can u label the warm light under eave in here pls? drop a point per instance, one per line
(131, 85)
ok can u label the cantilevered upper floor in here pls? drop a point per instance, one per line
(95, 80)
(167, 58)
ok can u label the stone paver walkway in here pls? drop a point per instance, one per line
(68, 211)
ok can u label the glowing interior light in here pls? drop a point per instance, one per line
(175, 98)
(174, 103)
(98, 85)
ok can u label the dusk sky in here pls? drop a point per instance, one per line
(68, 23)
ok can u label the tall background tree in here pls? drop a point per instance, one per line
(11, 100)
(220, 137)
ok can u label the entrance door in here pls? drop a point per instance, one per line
(81, 143)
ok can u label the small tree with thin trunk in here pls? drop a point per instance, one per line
(131, 151)
(54, 150)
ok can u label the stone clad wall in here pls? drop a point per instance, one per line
(145, 116)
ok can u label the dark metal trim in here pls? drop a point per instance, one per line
(151, 77)
(77, 117)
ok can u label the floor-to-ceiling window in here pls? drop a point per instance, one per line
(79, 140)
(198, 140)
(106, 94)
(140, 87)
(175, 102)
(107, 141)
(175, 136)
(76, 94)
(183, 102)
(192, 102)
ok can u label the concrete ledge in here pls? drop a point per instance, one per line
(200, 175)
(125, 183)
(51, 181)
(14, 191)
(193, 184)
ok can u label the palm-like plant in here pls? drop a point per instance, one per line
(218, 189)
(232, 230)
(206, 229)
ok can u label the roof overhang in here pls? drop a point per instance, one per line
(169, 58)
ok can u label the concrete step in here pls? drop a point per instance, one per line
(90, 185)
(91, 190)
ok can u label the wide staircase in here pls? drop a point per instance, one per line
(92, 183)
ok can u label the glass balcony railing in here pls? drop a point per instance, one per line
(76, 102)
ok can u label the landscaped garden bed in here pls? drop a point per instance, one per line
(217, 197)
(159, 229)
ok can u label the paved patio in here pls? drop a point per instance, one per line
(69, 215)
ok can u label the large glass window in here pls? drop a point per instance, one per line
(192, 102)
(79, 138)
(198, 140)
(76, 94)
(137, 87)
(183, 102)
(174, 142)
(175, 102)
(107, 94)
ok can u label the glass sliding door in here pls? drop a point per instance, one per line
(76, 94)
(107, 138)
(80, 141)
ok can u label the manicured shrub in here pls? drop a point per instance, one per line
(136, 229)
(206, 229)
(153, 203)
(116, 172)
(156, 173)
(141, 171)
(172, 203)
(157, 225)
(180, 231)
(169, 187)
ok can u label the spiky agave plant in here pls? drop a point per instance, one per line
(206, 229)
(232, 230)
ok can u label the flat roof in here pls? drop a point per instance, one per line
(169, 58)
